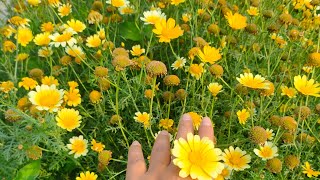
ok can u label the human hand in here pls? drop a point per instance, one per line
(161, 166)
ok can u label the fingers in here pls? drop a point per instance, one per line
(185, 126)
(136, 165)
(206, 129)
(160, 155)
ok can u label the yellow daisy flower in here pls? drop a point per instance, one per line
(290, 92)
(64, 10)
(186, 17)
(253, 11)
(87, 176)
(46, 97)
(197, 157)
(95, 96)
(143, 118)
(8, 46)
(42, 39)
(129, 9)
(75, 51)
(270, 134)
(49, 80)
(166, 123)
(73, 84)
(243, 116)
(167, 30)
(256, 82)
(236, 21)
(196, 119)
(54, 3)
(137, 50)
(98, 147)
(78, 146)
(6, 86)
(47, 27)
(209, 54)
(225, 174)
(93, 41)
(19, 21)
(72, 97)
(307, 87)
(309, 171)
(179, 63)
(22, 56)
(63, 39)
(267, 151)
(68, 119)
(153, 16)
(196, 70)
(215, 89)
(24, 36)
(45, 52)
(28, 83)
(177, 2)
(236, 159)
(118, 3)
(76, 25)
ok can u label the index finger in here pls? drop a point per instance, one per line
(185, 126)
(206, 129)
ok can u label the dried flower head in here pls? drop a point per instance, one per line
(171, 80)
(274, 165)
(258, 135)
(156, 68)
(292, 161)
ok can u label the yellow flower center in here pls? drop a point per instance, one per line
(196, 69)
(144, 118)
(65, 10)
(72, 96)
(235, 159)
(70, 120)
(63, 37)
(195, 157)
(152, 19)
(266, 152)
(78, 146)
(48, 98)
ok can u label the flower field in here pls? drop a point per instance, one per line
(81, 80)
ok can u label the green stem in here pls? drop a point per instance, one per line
(212, 107)
(117, 112)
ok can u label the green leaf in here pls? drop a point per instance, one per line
(29, 171)
(129, 30)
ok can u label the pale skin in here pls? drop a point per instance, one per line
(161, 166)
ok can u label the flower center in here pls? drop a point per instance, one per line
(48, 98)
(266, 152)
(195, 157)
(78, 146)
(196, 69)
(152, 19)
(63, 37)
(235, 159)
(70, 121)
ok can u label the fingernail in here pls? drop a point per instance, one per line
(136, 143)
(206, 121)
(186, 117)
(165, 133)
